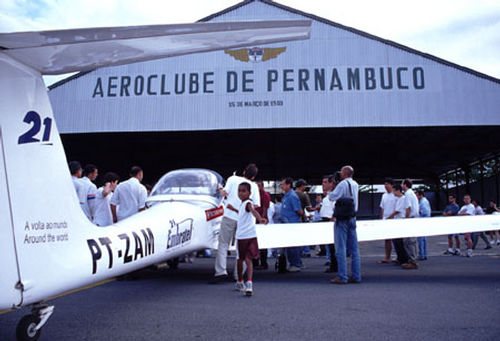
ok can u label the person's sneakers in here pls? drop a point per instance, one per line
(487, 247)
(409, 266)
(293, 269)
(248, 289)
(239, 286)
(469, 253)
(456, 252)
(449, 252)
(337, 280)
(498, 242)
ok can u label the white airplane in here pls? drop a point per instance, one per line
(48, 247)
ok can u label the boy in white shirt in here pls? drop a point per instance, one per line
(246, 237)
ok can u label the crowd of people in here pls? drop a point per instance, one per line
(111, 202)
(247, 203)
(294, 206)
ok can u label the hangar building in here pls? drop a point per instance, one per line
(299, 109)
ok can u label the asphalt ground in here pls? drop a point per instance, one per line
(448, 298)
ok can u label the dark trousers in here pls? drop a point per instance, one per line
(334, 265)
(333, 262)
(475, 239)
(400, 250)
(262, 260)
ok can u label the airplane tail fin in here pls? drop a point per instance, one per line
(38, 202)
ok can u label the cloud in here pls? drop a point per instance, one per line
(16, 15)
(461, 31)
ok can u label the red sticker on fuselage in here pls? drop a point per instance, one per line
(214, 213)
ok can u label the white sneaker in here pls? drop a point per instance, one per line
(248, 289)
(239, 286)
(469, 253)
(492, 242)
(293, 269)
(456, 252)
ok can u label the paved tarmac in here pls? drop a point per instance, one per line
(448, 298)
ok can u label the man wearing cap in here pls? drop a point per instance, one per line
(305, 201)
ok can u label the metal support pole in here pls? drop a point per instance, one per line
(372, 197)
(481, 181)
(437, 193)
(497, 175)
(467, 171)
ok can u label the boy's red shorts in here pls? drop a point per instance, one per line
(248, 248)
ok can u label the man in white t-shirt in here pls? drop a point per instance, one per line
(102, 212)
(399, 213)
(326, 210)
(75, 168)
(88, 190)
(468, 209)
(230, 219)
(129, 197)
(387, 207)
(329, 182)
(478, 210)
(412, 211)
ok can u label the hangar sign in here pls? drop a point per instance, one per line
(318, 79)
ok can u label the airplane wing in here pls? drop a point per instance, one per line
(300, 234)
(64, 51)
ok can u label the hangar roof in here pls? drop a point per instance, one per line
(418, 151)
(355, 31)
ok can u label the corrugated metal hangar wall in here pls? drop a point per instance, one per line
(301, 108)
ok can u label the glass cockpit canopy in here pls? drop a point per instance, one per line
(190, 182)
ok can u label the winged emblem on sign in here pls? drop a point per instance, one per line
(255, 54)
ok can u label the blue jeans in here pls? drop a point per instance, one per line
(422, 247)
(294, 256)
(346, 240)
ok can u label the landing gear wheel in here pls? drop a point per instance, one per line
(25, 330)
(173, 263)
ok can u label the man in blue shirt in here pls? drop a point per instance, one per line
(346, 239)
(425, 212)
(452, 209)
(291, 211)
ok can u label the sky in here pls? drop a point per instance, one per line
(465, 32)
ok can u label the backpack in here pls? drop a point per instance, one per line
(280, 264)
